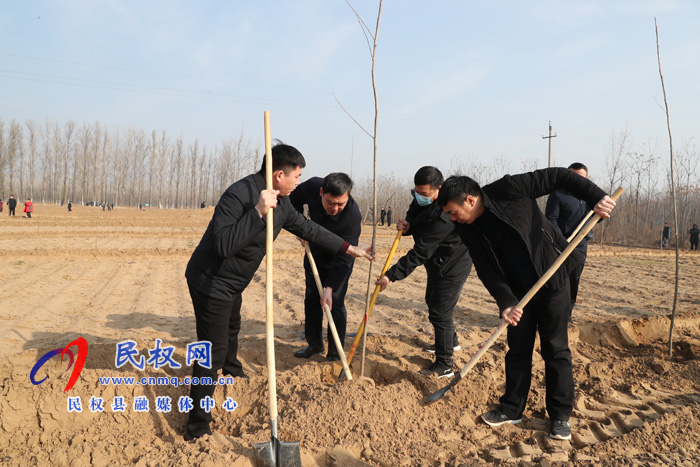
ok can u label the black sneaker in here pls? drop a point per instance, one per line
(431, 348)
(560, 429)
(442, 370)
(497, 418)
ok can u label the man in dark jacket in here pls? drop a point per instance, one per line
(438, 247)
(512, 245)
(565, 212)
(11, 205)
(224, 262)
(331, 206)
(388, 217)
(665, 235)
(694, 237)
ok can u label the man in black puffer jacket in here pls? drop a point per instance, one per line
(566, 212)
(438, 247)
(512, 245)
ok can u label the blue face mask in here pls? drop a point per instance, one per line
(422, 200)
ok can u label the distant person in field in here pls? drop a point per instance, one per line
(28, 207)
(2, 205)
(11, 205)
(224, 262)
(512, 245)
(70, 206)
(388, 217)
(203, 205)
(665, 235)
(438, 247)
(331, 206)
(382, 215)
(565, 212)
(694, 237)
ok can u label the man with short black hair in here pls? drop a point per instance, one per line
(331, 206)
(224, 262)
(565, 211)
(512, 245)
(436, 246)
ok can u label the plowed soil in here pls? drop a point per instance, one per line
(116, 276)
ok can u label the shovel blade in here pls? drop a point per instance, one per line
(440, 393)
(276, 453)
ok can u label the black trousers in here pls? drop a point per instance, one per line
(575, 279)
(547, 313)
(441, 296)
(219, 322)
(313, 313)
(694, 245)
(12, 212)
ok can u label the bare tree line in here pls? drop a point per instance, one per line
(646, 204)
(53, 163)
(89, 163)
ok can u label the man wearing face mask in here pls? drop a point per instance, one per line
(438, 247)
(330, 206)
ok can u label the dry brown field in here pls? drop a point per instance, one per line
(116, 276)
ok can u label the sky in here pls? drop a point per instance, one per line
(456, 80)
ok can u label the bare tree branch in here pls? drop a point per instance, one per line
(351, 117)
(365, 30)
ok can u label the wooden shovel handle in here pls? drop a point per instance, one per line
(375, 294)
(329, 316)
(269, 321)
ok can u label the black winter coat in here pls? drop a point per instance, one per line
(512, 199)
(347, 224)
(436, 245)
(233, 245)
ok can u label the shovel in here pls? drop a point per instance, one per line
(440, 393)
(375, 294)
(274, 453)
(331, 323)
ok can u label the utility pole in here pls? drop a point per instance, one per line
(550, 142)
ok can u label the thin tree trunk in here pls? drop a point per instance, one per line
(673, 195)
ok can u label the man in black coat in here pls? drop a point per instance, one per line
(512, 245)
(12, 204)
(565, 212)
(331, 206)
(694, 237)
(665, 235)
(438, 247)
(224, 262)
